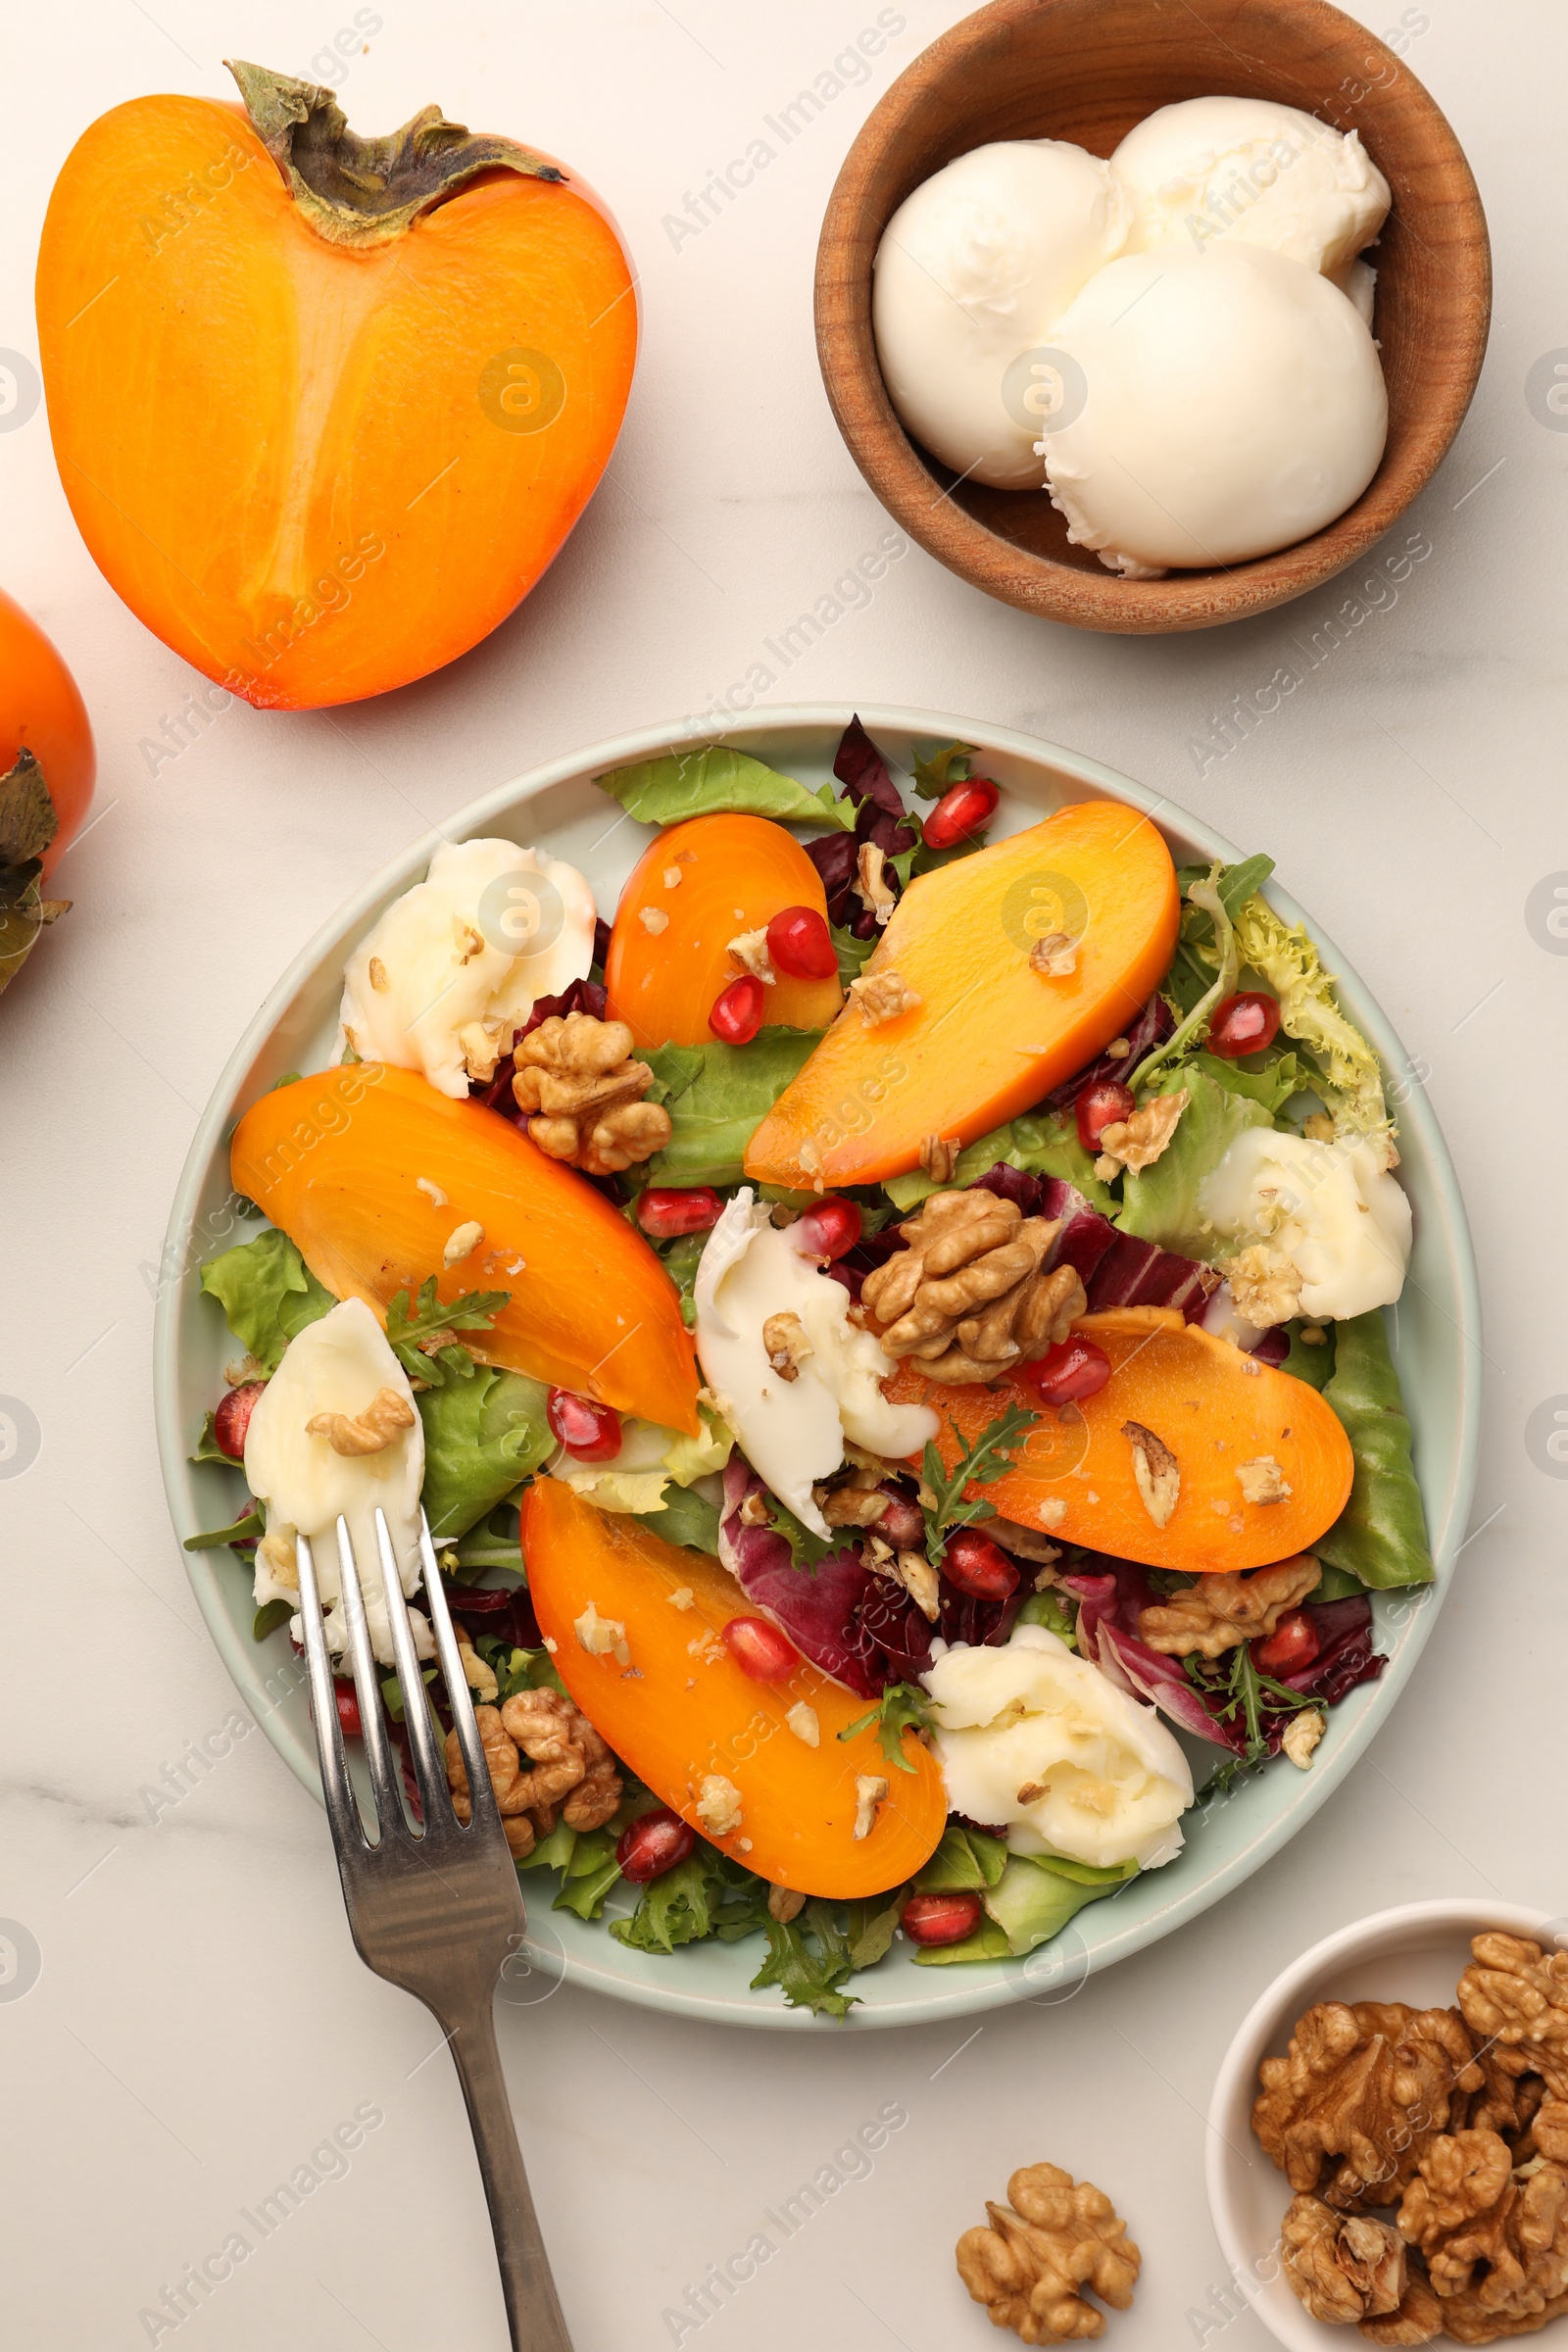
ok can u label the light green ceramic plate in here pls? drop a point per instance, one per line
(1436, 1336)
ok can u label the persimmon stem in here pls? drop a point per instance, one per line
(355, 191)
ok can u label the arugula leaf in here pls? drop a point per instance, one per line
(516, 1669)
(989, 1457)
(483, 1436)
(406, 1326)
(1233, 1686)
(807, 1552)
(681, 1259)
(719, 781)
(808, 1979)
(937, 773)
(268, 1617)
(716, 1113)
(240, 1531)
(266, 1294)
(902, 1707)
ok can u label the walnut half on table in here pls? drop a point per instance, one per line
(1054, 2238)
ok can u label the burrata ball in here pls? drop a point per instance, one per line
(1248, 168)
(971, 274)
(1234, 403)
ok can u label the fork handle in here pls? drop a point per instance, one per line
(533, 2312)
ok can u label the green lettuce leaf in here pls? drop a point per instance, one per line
(650, 1459)
(1381, 1535)
(936, 772)
(1161, 1203)
(707, 1894)
(266, 1293)
(1314, 1364)
(810, 1978)
(1040, 1143)
(869, 1924)
(966, 1861)
(852, 954)
(717, 1110)
(208, 1449)
(988, 1943)
(684, 1517)
(719, 781)
(1281, 955)
(482, 1437)
(590, 1874)
(1032, 1901)
(1051, 1610)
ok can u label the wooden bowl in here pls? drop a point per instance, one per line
(1086, 70)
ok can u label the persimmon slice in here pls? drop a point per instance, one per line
(1216, 1412)
(685, 1711)
(986, 1034)
(369, 1171)
(668, 951)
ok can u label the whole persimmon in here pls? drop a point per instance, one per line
(325, 406)
(46, 777)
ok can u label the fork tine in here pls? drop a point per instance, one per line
(429, 1764)
(341, 1810)
(482, 1793)
(384, 1779)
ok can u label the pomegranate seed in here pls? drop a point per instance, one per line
(977, 1567)
(233, 1418)
(348, 1710)
(1099, 1107)
(799, 942)
(964, 810)
(941, 1918)
(902, 1524)
(590, 1433)
(827, 1230)
(1243, 1024)
(737, 1013)
(1074, 1369)
(759, 1649)
(654, 1844)
(1293, 1644)
(664, 1210)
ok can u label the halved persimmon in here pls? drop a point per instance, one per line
(984, 1031)
(700, 885)
(373, 382)
(1246, 1465)
(685, 1711)
(371, 1172)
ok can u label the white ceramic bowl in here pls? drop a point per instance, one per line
(559, 808)
(1415, 1953)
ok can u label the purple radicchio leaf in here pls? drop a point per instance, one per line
(1150, 1029)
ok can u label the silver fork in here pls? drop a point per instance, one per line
(437, 1912)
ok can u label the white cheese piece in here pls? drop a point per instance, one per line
(492, 928)
(971, 272)
(1333, 1209)
(337, 1366)
(792, 1431)
(1248, 169)
(1031, 1735)
(1236, 403)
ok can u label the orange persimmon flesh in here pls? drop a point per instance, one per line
(989, 1036)
(336, 1162)
(1214, 1408)
(686, 1711)
(735, 873)
(314, 469)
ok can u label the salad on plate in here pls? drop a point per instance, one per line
(886, 1334)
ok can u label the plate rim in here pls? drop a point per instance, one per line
(1002, 1982)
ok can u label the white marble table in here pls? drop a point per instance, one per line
(201, 2023)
